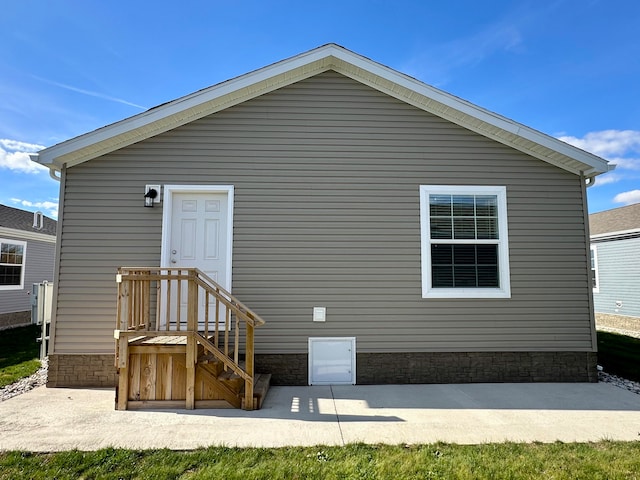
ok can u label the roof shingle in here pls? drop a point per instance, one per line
(615, 220)
(22, 220)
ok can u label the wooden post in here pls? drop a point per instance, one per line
(167, 314)
(215, 332)
(248, 385)
(178, 301)
(147, 301)
(123, 373)
(206, 315)
(192, 303)
(192, 353)
(236, 342)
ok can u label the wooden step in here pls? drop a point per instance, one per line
(260, 389)
(232, 379)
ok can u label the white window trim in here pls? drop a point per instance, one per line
(594, 249)
(24, 263)
(504, 291)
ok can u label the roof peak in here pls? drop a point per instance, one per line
(330, 56)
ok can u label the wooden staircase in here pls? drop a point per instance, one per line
(202, 361)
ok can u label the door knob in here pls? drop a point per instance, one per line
(173, 260)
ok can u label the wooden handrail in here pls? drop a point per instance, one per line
(136, 316)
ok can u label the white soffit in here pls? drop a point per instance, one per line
(329, 57)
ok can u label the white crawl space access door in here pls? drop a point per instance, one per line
(332, 361)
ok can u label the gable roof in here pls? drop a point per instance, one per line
(16, 219)
(623, 220)
(286, 72)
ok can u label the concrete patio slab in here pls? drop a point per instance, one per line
(46, 420)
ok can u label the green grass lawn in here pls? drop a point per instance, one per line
(602, 460)
(619, 355)
(19, 353)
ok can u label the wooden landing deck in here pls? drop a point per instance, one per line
(158, 377)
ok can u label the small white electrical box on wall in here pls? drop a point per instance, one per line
(319, 314)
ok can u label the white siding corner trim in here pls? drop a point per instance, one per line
(429, 239)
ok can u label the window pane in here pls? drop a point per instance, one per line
(487, 254)
(463, 206)
(441, 227)
(486, 206)
(488, 276)
(464, 276)
(464, 228)
(464, 254)
(442, 254)
(440, 205)
(10, 275)
(11, 253)
(442, 276)
(464, 266)
(487, 228)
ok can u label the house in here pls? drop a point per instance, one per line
(615, 266)
(385, 230)
(27, 253)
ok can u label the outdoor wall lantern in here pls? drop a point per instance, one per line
(151, 195)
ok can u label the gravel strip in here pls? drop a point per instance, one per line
(619, 382)
(25, 384)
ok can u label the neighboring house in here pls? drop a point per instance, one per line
(447, 243)
(615, 263)
(27, 254)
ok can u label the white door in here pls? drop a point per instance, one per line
(198, 236)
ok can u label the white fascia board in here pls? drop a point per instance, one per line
(405, 88)
(260, 81)
(26, 235)
(593, 164)
(611, 235)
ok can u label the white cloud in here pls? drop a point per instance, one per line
(628, 198)
(620, 147)
(626, 163)
(607, 143)
(14, 155)
(608, 178)
(49, 208)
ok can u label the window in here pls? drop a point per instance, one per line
(12, 256)
(594, 269)
(465, 251)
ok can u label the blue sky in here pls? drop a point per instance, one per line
(570, 68)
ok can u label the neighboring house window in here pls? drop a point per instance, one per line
(12, 261)
(594, 269)
(465, 247)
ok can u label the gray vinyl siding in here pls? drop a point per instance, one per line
(39, 267)
(618, 277)
(326, 175)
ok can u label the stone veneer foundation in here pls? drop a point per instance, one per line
(15, 319)
(445, 367)
(374, 368)
(82, 371)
